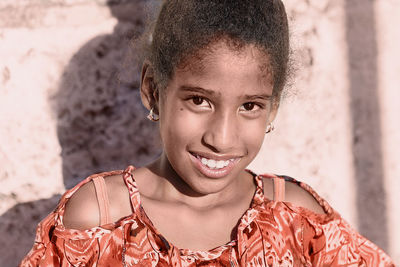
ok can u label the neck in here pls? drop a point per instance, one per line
(170, 187)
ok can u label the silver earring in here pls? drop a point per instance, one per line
(152, 116)
(270, 128)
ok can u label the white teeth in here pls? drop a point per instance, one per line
(220, 164)
(211, 163)
(215, 164)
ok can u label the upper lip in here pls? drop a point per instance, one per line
(215, 156)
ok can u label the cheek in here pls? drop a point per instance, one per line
(180, 127)
(253, 133)
(256, 136)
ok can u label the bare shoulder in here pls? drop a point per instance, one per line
(301, 197)
(120, 204)
(295, 194)
(82, 209)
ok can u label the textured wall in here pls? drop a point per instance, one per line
(69, 106)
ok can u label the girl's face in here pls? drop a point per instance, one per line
(213, 116)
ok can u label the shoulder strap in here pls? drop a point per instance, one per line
(102, 199)
(279, 189)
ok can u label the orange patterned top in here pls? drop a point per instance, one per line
(270, 233)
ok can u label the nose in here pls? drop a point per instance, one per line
(221, 134)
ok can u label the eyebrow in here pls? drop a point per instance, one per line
(254, 97)
(197, 90)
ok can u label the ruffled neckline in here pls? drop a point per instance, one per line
(249, 215)
(259, 203)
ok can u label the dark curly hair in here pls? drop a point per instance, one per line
(185, 27)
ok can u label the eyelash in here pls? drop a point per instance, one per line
(193, 97)
(256, 104)
(259, 105)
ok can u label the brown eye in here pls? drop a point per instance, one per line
(248, 106)
(197, 100)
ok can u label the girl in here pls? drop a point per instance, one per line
(212, 77)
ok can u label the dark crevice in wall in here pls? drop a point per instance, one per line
(366, 124)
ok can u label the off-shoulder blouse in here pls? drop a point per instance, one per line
(270, 233)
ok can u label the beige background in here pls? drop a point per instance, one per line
(69, 106)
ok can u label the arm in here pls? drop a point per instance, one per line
(53, 243)
(70, 235)
(343, 246)
(327, 239)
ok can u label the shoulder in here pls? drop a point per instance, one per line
(299, 195)
(296, 193)
(82, 208)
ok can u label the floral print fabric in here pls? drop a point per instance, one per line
(270, 233)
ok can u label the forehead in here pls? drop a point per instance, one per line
(222, 60)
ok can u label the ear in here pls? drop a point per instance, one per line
(148, 89)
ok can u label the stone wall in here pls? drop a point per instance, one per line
(69, 106)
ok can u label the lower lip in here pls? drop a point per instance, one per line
(213, 173)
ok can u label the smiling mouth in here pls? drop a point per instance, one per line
(214, 167)
(213, 164)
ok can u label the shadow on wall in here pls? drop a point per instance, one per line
(102, 124)
(18, 226)
(365, 112)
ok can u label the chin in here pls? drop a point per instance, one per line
(209, 187)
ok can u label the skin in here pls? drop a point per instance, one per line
(217, 107)
(219, 110)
